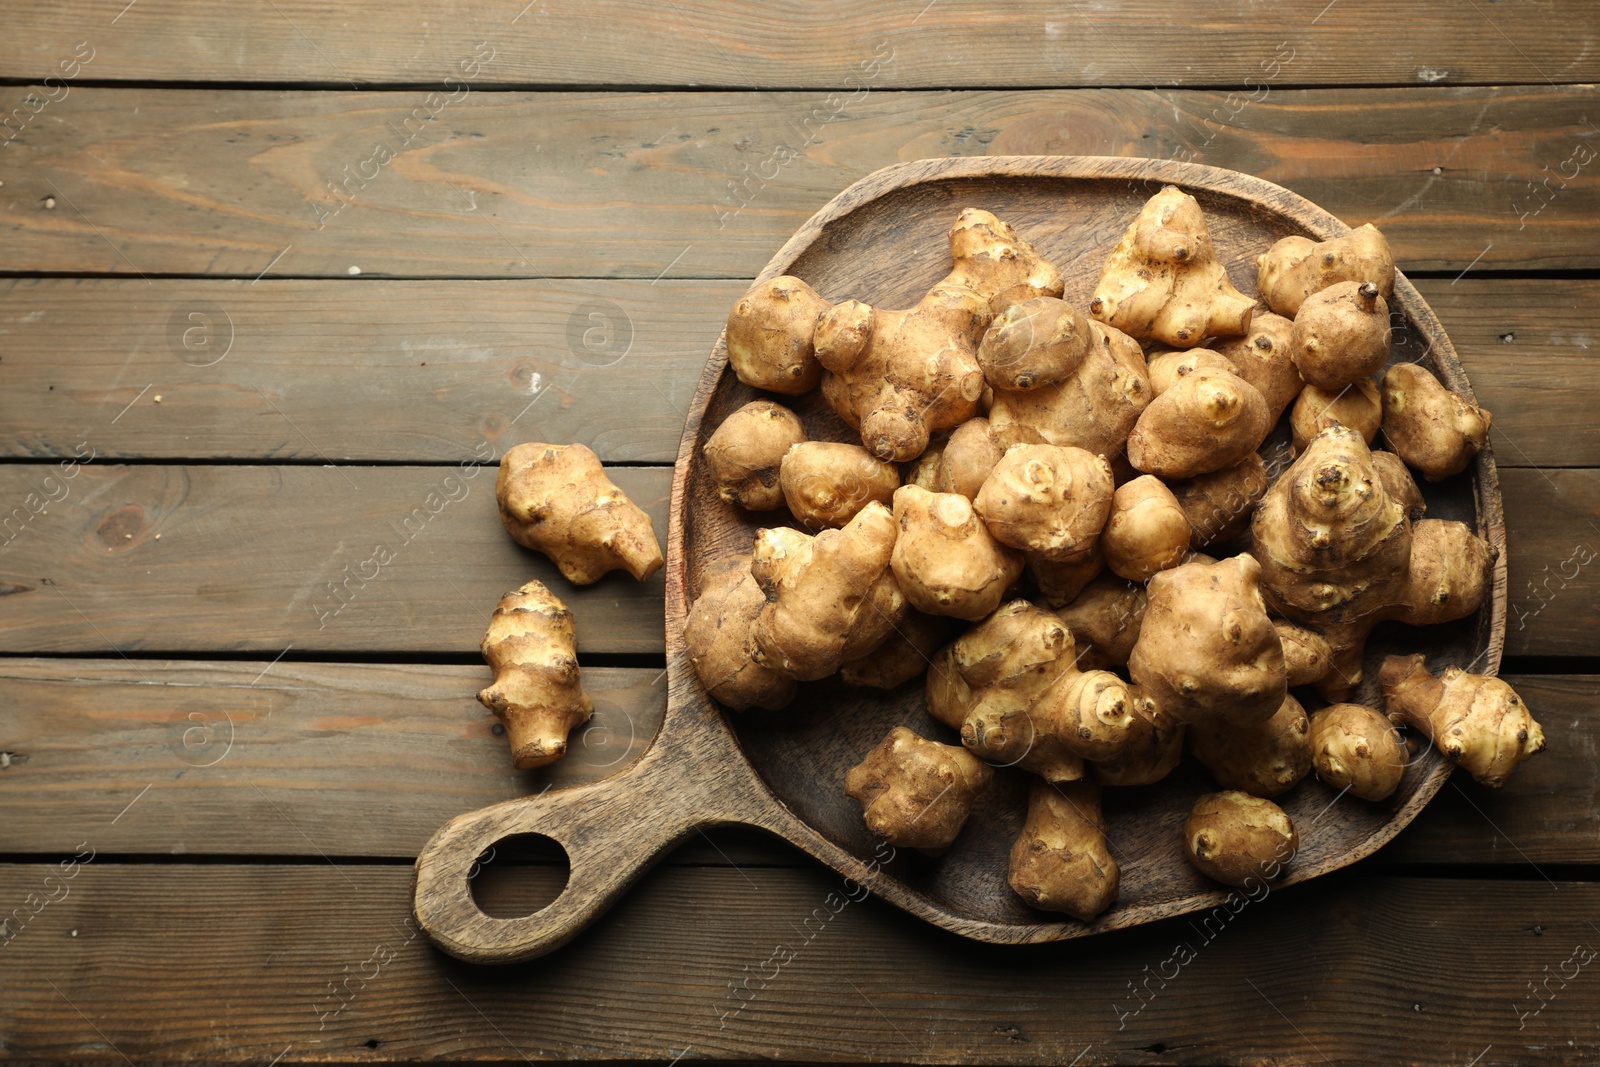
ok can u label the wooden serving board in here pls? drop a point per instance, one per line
(884, 240)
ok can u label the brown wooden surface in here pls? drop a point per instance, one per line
(618, 178)
(658, 979)
(457, 358)
(697, 185)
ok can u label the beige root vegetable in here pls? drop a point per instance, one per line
(537, 694)
(1399, 484)
(1306, 655)
(903, 657)
(1061, 862)
(944, 558)
(1296, 267)
(1264, 359)
(1038, 343)
(1152, 751)
(1356, 748)
(744, 453)
(916, 793)
(830, 598)
(1060, 583)
(1265, 760)
(1207, 421)
(1478, 722)
(719, 637)
(1341, 335)
(1011, 685)
(770, 336)
(1048, 501)
(1163, 281)
(1168, 365)
(1434, 430)
(900, 376)
(1207, 652)
(1106, 618)
(1147, 532)
(1236, 838)
(556, 499)
(827, 484)
(1219, 504)
(1339, 553)
(1356, 405)
(1094, 409)
(969, 457)
(924, 470)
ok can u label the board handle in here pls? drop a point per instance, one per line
(612, 831)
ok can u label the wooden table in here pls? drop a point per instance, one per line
(282, 282)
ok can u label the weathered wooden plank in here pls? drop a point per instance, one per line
(384, 370)
(307, 755)
(311, 964)
(394, 558)
(710, 184)
(716, 42)
(250, 555)
(436, 367)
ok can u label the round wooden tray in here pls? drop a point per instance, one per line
(884, 240)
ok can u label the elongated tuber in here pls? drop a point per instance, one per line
(556, 499)
(1436, 431)
(537, 693)
(827, 484)
(1341, 335)
(945, 560)
(744, 454)
(719, 637)
(1061, 862)
(916, 793)
(1354, 747)
(900, 376)
(1207, 652)
(1147, 531)
(1478, 722)
(1264, 760)
(771, 336)
(830, 598)
(1207, 421)
(1163, 281)
(1050, 502)
(1296, 267)
(1236, 838)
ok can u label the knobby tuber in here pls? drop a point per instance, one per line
(719, 638)
(1061, 862)
(1354, 747)
(827, 484)
(744, 454)
(944, 558)
(1236, 838)
(556, 499)
(1478, 722)
(1436, 431)
(916, 793)
(537, 694)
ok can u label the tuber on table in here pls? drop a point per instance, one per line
(556, 499)
(1236, 838)
(537, 694)
(1479, 723)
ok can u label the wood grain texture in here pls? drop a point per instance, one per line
(193, 590)
(437, 367)
(709, 184)
(736, 44)
(397, 558)
(313, 964)
(308, 755)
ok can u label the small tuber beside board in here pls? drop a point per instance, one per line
(1027, 468)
